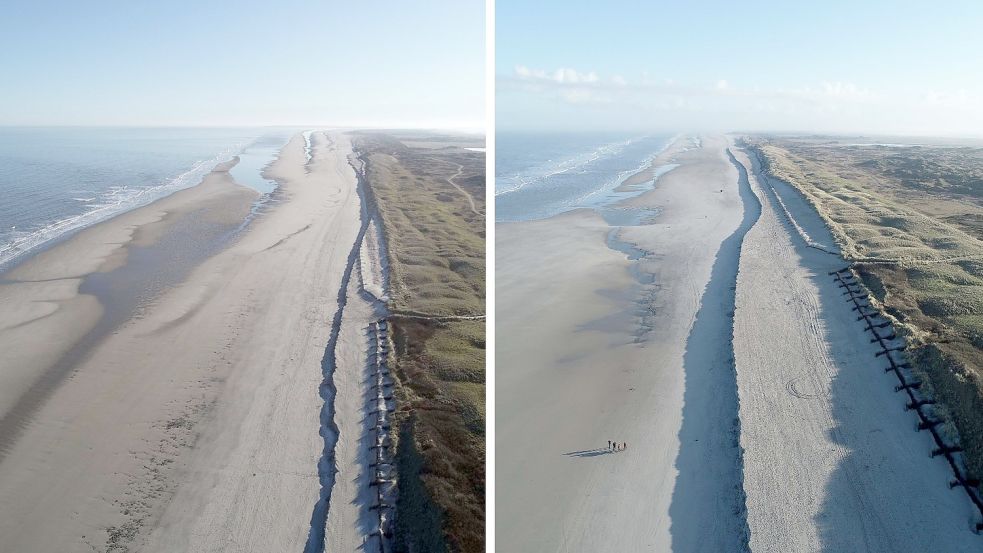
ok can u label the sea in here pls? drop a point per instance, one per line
(55, 181)
(539, 175)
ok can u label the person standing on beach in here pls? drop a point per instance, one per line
(609, 444)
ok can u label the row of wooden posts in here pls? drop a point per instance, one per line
(381, 403)
(883, 334)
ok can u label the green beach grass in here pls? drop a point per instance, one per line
(436, 247)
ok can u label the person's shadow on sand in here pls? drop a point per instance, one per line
(590, 452)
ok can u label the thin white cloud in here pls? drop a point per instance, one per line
(959, 99)
(562, 75)
(818, 93)
(820, 106)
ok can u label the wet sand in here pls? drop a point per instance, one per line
(60, 303)
(193, 425)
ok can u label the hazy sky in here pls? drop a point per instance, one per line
(888, 67)
(375, 62)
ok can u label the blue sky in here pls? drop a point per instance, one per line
(371, 63)
(888, 67)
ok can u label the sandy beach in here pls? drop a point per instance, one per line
(193, 421)
(45, 317)
(710, 338)
(832, 460)
(594, 345)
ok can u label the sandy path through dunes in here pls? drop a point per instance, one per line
(594, 347)
(832, 461)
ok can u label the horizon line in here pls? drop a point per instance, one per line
(466, 128)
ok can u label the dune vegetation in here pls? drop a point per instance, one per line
(909, 217)
(436, 246)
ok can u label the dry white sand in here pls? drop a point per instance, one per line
(589, 351)
(832, 461)
(194, 427)
(350, 520)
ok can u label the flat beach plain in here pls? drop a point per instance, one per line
(592, 347)
(723, 353)
(193, 425)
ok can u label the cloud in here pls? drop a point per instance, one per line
(824, 91)
(957, 99)
(846, 90)
(560, 76)
(577, 87)
(566, 96)
(568, 85)
(585, 96)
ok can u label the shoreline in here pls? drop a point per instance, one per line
(660, 160)
(63, 228)
(79, 270)
(234, 157)
(612, 193)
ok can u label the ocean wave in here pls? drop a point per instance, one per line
(609, 187)
(598, 188)
(307, 145)
(577, 163)
(113, 201)
(611, 184)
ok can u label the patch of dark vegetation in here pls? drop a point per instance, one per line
(447, 427)
(419, 521)
(971, 223)
(872, 282)
(957, 385)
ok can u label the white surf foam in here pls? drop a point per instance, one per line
(114, 201)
